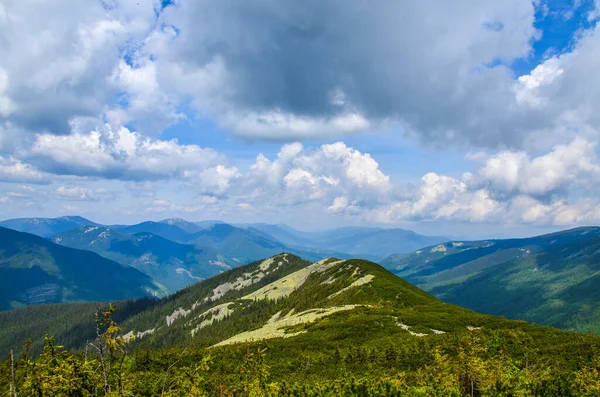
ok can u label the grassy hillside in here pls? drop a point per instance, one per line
(35, 270)
(284, 326)
(172, 264)
(546, 279)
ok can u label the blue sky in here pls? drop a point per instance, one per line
(468, 119)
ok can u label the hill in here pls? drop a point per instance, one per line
(547, 279)
(35, 270)
(285, 326)
(172, 264)
(46, 227)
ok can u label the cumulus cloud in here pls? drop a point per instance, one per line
(514, 173)
(122, 154)
(76, 193)
(300, 175)
(13, 170)
(508, 186)
(56, 58)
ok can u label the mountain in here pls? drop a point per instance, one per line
(283, 233)
(46, 227)
(188, 227)
(172, 264)
(257, 240)
(247, 245)
(374, 242)
(35, 270)
(170, 231)
(286, 326)
(364, 242)
(549, 279)
(238, 244)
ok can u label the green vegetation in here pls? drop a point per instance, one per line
(549, 279)
(34, 270)
(336, 327)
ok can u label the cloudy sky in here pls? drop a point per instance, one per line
(464, 118)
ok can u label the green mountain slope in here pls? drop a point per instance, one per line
(172, 264)
(46, 227)
(547, 279)
(34, 270)
(264, 328)
(271, 298)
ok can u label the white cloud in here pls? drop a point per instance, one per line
(164, 206)
(330, 172)
(76, 193)
(123, 154)
(13, 170)
(57, 58)
(551, 173)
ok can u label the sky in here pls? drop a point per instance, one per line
(467, 118)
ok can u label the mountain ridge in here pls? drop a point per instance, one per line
(540, 278)
(35, 270)
(174, 264)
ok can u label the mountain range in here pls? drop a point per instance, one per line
(253, 240)
(177, 253)
(34, 270)
(284, 297)
(550, 279)
(176, 265)
(363, 242)
(284, 321)
(46, 227)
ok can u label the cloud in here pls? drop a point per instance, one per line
(299, 176)
(287, 71)
(122, 154)
(549, 174)
(76, 193)
(13, 170)
(508, 187)
(162, 206)
(56, 59)
(278, 70)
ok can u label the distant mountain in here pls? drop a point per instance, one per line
(240, 245)
(550, 279)
(170, 231)
(283, 233)
(378, 243)
(188, 227)
(35, 270)
(247, 245)
(173, 264)
(364, 242)
(257, 239)
(46, 227)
